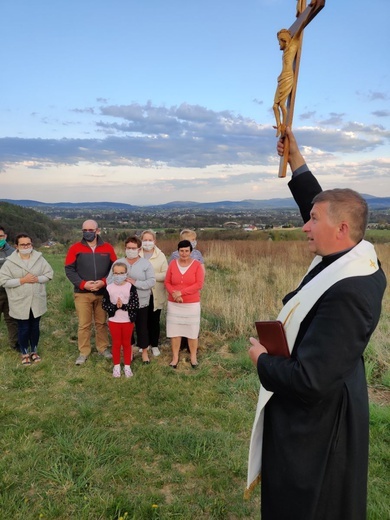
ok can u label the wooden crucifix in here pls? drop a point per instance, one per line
(290, 42)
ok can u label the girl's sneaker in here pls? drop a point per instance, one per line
(128, 372)
(116, 371)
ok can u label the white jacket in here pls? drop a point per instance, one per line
(22, 298)
(160, 266)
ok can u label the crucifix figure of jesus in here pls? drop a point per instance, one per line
(290, 42)
(289, 45)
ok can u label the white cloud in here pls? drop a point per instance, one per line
(185, 152)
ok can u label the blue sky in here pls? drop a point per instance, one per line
(150, 102)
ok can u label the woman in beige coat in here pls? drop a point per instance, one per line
(24, 276)
(158, 297)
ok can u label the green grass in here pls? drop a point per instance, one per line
(78, 444)
(166, 444)
(378, 493)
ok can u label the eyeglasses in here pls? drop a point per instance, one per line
(91, 230)
(132, 248)
(25, 245)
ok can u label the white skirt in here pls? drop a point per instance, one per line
(183, 319)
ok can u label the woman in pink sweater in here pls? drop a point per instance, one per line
(183, 281)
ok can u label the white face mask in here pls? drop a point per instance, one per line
(131, 253)
(25, 251)
(148, 245)
(193, 243)
(119, 278)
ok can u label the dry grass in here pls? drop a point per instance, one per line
(246, 281)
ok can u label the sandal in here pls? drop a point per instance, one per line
(35, 358)
(26, 360)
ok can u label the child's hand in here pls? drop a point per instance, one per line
(119, 303)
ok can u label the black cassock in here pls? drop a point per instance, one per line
(315, 445)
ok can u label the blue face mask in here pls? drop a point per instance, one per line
(89, 236)
(119, 278)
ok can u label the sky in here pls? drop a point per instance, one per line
(148, 102)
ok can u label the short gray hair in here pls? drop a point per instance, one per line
(349, 205)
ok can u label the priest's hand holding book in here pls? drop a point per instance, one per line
(256, 350)
(272, 340)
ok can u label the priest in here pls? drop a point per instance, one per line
(309, 443)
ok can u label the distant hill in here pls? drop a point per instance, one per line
(228, 205)
(16, 219)
(375, 203)
(26, 203)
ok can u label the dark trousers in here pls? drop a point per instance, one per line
(141, 328)
(12, 326)
(28, 334)
(153, 323)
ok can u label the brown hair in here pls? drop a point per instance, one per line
(21, 235)
(134, 240)
(349, 205)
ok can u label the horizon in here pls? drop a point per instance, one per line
(182, 102)
(290, 197)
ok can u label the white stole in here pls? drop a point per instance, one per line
(359, 261)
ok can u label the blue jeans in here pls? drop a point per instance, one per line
(28, 334)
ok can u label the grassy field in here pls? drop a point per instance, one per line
(166, 444)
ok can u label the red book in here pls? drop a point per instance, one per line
(272, 336)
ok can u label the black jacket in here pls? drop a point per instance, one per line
(315, 446)
(83, 264)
